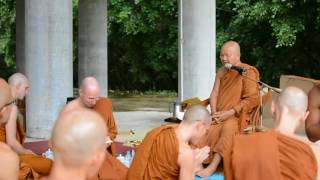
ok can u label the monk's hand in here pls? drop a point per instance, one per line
(221, 116)
(201, 154)
(28, 151)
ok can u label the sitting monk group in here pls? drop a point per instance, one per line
(85, 127)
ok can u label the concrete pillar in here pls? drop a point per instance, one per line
(48, 43)
(93, 42)
(197, 59)
(20, 36)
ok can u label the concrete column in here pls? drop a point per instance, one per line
(197, 56)
(93, 42)
(48, 62)
(20, 36)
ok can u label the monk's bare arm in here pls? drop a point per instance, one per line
(215, 90)
(250, 94)
(11, 130)
(312, 123)
(187, 164)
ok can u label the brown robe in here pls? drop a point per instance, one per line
(30, 165)
(112, 169)
(271, 155)
(156, 156)
(104, 108)
(240, 93)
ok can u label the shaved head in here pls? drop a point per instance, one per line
(77, 136)
(294, 99)
(16, 79)
(9, 166)
(89, 91)
(19, 85)
(90, 83)
(290, 109)
(232, 46)
(230, 53)
(197, 118)
(196, 113)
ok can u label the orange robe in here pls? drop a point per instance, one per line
(271, 155)
(104, 108)
(156, 156)
(112, 169)
(30, 165)
(240, 93)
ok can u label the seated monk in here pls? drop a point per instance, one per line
(232, 101)
(313, 121)
(165, 152)
(278, 153)
(12, 133)
(9, 161)
(89, 92)
(78, 143)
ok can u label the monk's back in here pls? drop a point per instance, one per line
(271, 155)
(157, 156)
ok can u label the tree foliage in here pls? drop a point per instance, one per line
(278, 36)
(7, 37)
(143, 44)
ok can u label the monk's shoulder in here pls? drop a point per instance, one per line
(104, 101)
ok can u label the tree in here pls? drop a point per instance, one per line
(7, 37)
(278, 36)
(143, 44)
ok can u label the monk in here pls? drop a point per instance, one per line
(278, 153)
(89, 98)
(9, 161)
(232, 101)
(313, 121)
(78, 142)
(12, 134)
(165, 152)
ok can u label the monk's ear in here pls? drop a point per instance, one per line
(305, 116)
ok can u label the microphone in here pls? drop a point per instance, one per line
(240, 70)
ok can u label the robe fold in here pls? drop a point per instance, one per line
(112, 169)
(104, 108)
(156, 156)
(30, 165)
(271, 155)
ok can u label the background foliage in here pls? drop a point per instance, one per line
(277, 36)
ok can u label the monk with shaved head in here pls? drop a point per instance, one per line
(78, 142)
(165, 152)
(233, 101)
(278, 153)
(89, 97)
(13, 134)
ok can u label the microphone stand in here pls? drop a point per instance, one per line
(262, 85)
